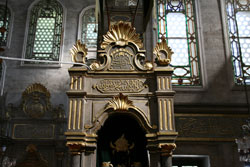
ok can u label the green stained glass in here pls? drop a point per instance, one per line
(44, 36)
(45, 31)
(238, 19)
(89, 28)
(4, 22)
(176, 22)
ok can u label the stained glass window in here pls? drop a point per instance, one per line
(238, 19)
(89, 28)
(176, 22)
(45, 31)
(4, 24)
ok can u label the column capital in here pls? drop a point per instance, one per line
(166, 149)
(79, 142)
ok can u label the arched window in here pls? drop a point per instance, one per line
(238, 19)
(4, 24)
(177, 23)
(89, 28)
(45, 31)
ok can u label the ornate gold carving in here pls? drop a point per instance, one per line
(148, 65)
(121, 51)
(79, 52)
(107, 164)
(121, 34)
(120, 103)
(32, 158)
(95, 66)
(36, 100)
(163, 52)
(167, 149)
(122, 145)
(120, 85)
(75, 147)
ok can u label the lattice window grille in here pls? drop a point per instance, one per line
(4, 22)
(176, 22)
(89, 28)
(238, 19)
(45, 31)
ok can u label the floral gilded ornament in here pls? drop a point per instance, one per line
(120, 103)
(121, 34)
(79, 52)
(36, 101)
(163, 52)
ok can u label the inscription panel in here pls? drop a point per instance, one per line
(121, 60)
(31, 131)
(120, 85)
(209, 127)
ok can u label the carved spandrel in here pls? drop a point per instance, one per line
(120, 85)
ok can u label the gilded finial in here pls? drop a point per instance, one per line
(163, 52)
(79, 52)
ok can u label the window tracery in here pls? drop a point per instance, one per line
(45, 31)
(176, 23)
(238, 21)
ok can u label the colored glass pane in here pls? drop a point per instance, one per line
(176, 22)
(4, 23)
(89, 28)
(238, 19)
(45, 31)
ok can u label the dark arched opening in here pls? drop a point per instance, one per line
(122, 142)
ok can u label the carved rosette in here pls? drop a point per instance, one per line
(163, 53)
(121, 51)
(36, 101)
(120, 103)
(79, 52)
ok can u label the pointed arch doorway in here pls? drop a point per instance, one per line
(122, 142)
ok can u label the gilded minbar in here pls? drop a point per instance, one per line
(112, 104)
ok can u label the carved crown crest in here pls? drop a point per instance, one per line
(120, 102)
(121, 34)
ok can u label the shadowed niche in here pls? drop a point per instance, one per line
(122, 143)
